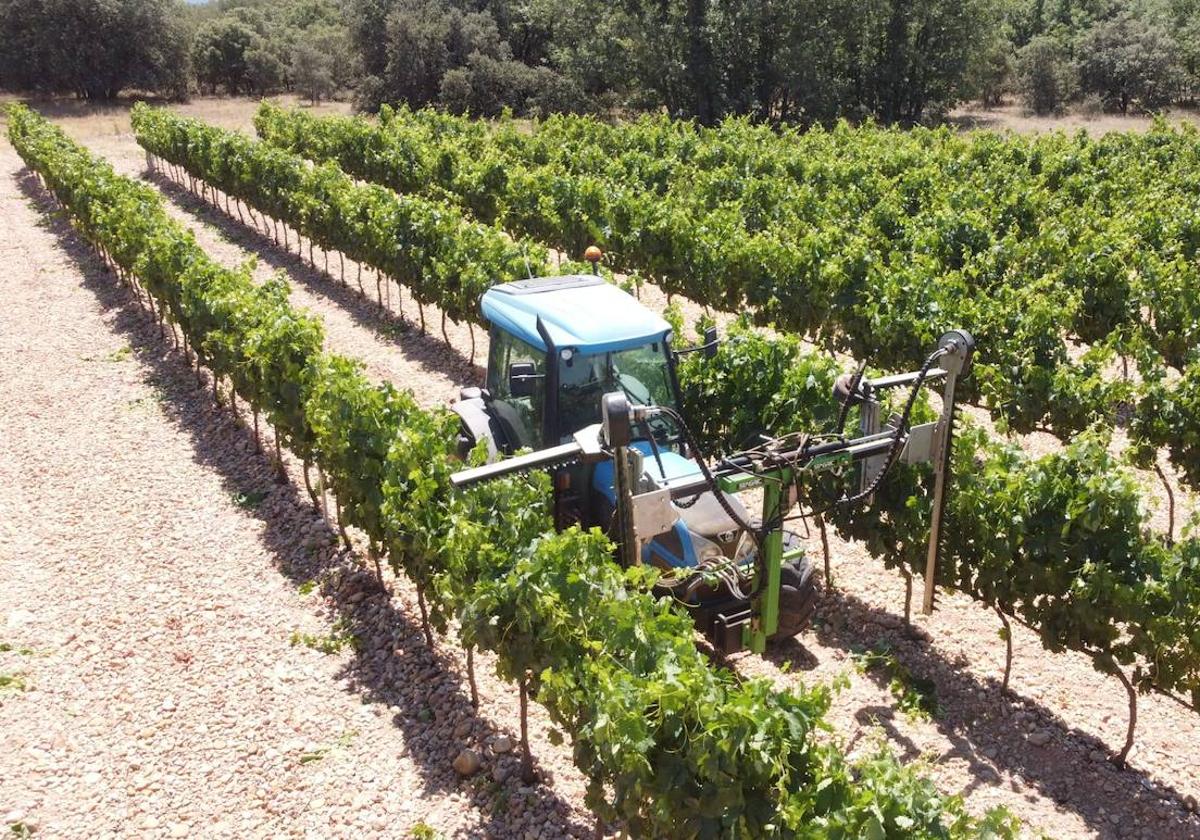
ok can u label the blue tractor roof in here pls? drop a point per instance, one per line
(578, 310)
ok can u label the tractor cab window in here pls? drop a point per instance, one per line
(640, 372)
(517, 383)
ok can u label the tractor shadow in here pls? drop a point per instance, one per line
(397, 329)
(986, 727)
(423, 689)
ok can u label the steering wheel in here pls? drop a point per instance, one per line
(621, 378)
(664, 429)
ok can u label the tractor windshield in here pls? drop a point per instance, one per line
(640, 372)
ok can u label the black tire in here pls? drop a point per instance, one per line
(797, 598)
(466, 442)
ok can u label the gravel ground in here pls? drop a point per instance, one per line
(1040, 750)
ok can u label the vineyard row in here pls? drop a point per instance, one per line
(1060, 543)
(670, 745)
(868, 241)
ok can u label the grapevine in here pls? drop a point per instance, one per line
(669, 744)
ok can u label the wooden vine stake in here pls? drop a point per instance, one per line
(424, 616)
(1170, 502)
(825, 550)
(1131, 693)
(471, 675)
(1005, 634)
(340, 526)
(527, 774)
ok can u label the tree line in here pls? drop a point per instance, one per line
(801, 61)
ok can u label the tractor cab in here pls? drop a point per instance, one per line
(558, 345)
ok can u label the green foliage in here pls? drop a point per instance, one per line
(864, 240)
(262, 46)
(353, 424)
(314, 60)
(250, 500)
(916, 696)
(12, 682)
(756, 385)
(443, 258)
(1061, 541)
(1129, 62)
(423, 831)
(672, 745)
(337, 640)
(791, 60)
(92, 49)
(1046, 77)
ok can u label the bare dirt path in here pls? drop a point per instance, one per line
(156, 615)
(1040, 751)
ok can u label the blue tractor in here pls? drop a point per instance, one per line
(585, 376)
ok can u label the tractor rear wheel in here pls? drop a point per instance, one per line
(797, 597)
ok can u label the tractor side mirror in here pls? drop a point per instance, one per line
(711, 342)
(522, 377)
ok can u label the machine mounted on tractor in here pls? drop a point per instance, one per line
(585, 376)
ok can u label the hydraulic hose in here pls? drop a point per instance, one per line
(897, 435)
(755, 534)
(844, 409)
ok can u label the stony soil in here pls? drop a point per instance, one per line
(173, 685)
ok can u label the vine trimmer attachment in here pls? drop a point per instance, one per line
(585, 376)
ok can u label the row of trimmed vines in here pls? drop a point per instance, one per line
(866, 240)
(443, 259)
(1060, 543)
(1103, 585)
(670, 745)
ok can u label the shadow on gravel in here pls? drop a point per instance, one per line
(430, 351)
(392, 665)
(989, 730)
